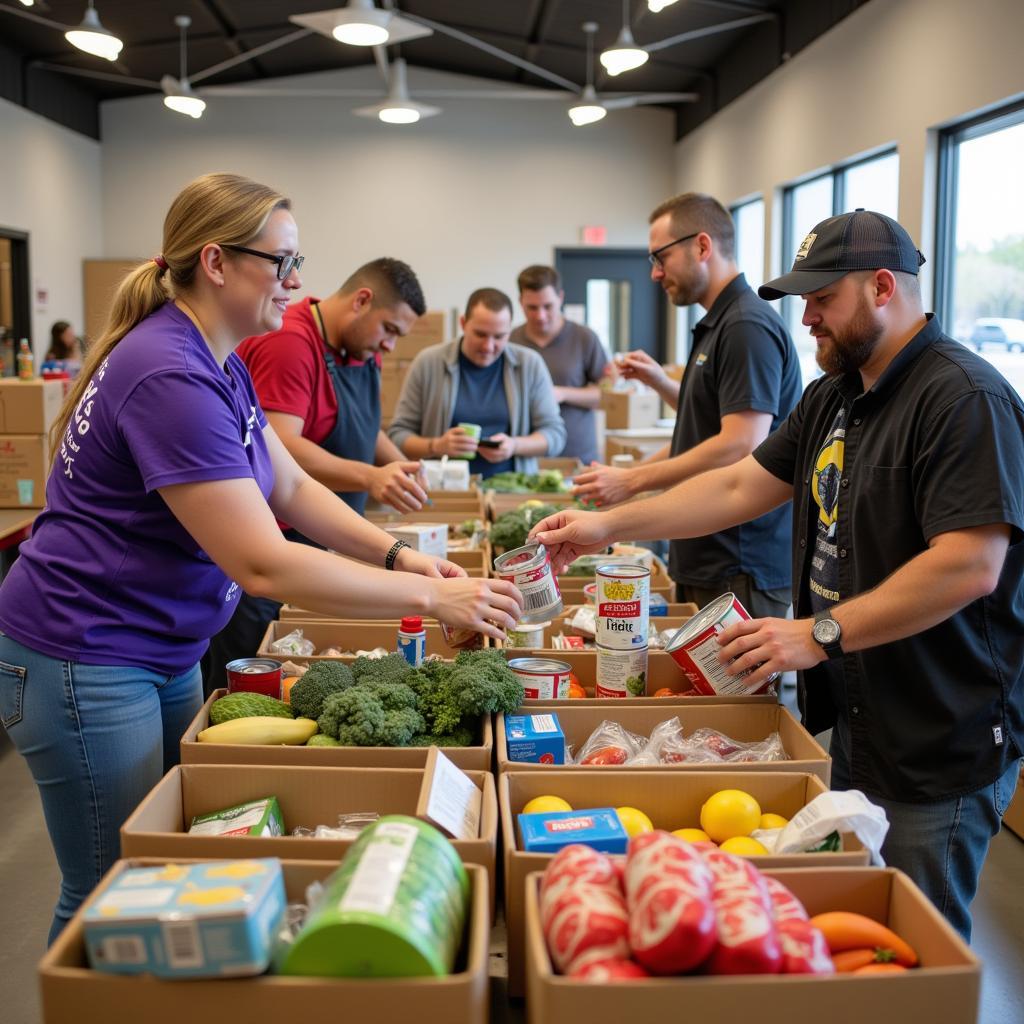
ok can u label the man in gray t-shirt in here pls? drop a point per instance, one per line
(573, 353)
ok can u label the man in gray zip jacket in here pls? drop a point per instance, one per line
(480, 379)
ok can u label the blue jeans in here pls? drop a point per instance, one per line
(941, 844)
(96, 738)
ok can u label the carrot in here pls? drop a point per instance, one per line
(881, 969)
(850, 959)
(844, 930)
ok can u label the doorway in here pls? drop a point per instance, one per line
(15, 315)
(618, 299)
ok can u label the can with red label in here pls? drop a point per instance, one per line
(623, 598)
(695, 649)
(621, 673)
(542, 678)
(255, 675)
(528, 569)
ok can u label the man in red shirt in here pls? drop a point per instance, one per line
(318, 381)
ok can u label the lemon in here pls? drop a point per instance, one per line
(633, 821)
(692, 835)
(744, 846)
(773, 821)
(728, 813)
(546, 804)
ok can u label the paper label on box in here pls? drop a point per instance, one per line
(544, 723)
(454, 801)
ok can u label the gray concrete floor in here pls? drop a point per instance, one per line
(29, 881)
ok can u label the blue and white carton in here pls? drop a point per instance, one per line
(599, 828)
(537, 738)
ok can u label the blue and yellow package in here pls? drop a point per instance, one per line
(599, 828)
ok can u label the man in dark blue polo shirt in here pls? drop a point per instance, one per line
(905, 464)
(742, 380)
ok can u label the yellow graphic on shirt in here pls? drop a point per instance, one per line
(828, 472)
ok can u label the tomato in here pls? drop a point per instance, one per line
(606, 755)
(607, 970)
(576, 692)
(666, 691)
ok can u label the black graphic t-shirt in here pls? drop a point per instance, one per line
(828, 475)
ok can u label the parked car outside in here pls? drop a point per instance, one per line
(1006, 332)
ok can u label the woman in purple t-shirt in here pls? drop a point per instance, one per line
(160, 509)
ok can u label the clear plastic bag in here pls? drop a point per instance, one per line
(610, 744)
(294, 643)
(668, 745)
(349, 826)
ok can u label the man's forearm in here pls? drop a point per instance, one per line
(668, 390)
(713, 453)
(588, 397)
(532, 444)
(333, 472)
(385, 450)
(417, 447)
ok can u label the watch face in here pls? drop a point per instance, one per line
(826, 631)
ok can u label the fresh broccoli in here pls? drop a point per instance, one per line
(476, 683)
(372, 715)
(459, 738)
(321, 679)
(549, 480)
(322, 740)
(394, 668)
(509, 530)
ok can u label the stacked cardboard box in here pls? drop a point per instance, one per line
(428, 330)
(28, 409)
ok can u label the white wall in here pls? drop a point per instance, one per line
(50, 188)
(892, 72)
(468, 198)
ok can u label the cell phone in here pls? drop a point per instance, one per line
(486, 442)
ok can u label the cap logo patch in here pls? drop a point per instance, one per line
(805, 246)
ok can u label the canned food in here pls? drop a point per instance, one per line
(695, 649)
(590, 592)
(255, 675)
(527, 634)
(529, 570)
(621, 673)
(623, 593)
(542, 678)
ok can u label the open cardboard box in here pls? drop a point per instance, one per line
(662, 673)
(476, 758)
(946, 986)
(561, 626)
(72, 992)
(746, 722)
(348, 635)
(440, 514)
(158, 827)
(500, 502)
(670, 801)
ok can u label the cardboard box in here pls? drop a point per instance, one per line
(308, 796)
(639, 443)
(500, 502)
(427, 538)
(671, 802)
(561, 626)
(29, 406)
(630, 410)
(567, 467)
(429, 329)
(945, 987)
(347, 636)
(746, 722)
(24, 467)
(71, 992)
(1013, 819)
(476, 758)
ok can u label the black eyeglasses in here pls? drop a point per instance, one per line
(655, 257)
(285, 264)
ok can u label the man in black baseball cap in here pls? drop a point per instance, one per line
(905, 466)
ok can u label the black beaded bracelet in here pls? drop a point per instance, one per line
(389, 561)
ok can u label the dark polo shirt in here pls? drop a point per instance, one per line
(742, 359)
(937, 444)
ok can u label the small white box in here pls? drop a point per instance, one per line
(428, 538)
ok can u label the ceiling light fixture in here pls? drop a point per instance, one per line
(655, 6)
(361, 24)
(93, 38)
(624, 55)
(588, 108)
(28, 3)
(398, 108)
(178, 94)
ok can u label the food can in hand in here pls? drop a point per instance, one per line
(623, 594)
(255, 675)
(528, 569)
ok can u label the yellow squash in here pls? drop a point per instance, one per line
(260, 729)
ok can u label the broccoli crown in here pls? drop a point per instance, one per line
(400, 725)
(391, 669)
(358, 717)
(484, 683)
(460, 738)
(321, 679)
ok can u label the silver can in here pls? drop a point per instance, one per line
(542, 678)
(623, 605)
(621, 673)
(528, 569)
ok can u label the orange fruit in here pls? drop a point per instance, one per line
(666, 691)
(286, 687)
(576, 692)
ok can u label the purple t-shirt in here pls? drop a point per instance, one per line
(109, 576)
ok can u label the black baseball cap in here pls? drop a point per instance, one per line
(862, 240)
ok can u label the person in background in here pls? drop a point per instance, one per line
(65, 349)
(318, 381)
(573, 354)
(160, 509)
(742, 380)
(482, 379)
(905, 465)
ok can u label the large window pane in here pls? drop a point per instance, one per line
(873, 185)
(749, 221)
(986, 275)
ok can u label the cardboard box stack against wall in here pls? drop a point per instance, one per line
(429, 329)
(28, 409)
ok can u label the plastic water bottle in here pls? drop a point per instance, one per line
(412, 640)
(26, 364)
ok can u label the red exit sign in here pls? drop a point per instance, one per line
(594, 234)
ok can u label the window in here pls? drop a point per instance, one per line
(871, 184)
(749, 220)
(980, 274)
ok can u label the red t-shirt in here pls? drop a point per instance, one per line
(289, 372)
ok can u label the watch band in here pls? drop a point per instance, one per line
(833, 648)
(389, 561)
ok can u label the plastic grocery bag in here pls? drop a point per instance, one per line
(294, 643)
(610, 743)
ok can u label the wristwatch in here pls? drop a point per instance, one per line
(827, 632)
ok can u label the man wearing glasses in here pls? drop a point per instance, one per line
(742, 380)
(318, 381)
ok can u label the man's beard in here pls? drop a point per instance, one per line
(690, 288)
(849, 348)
